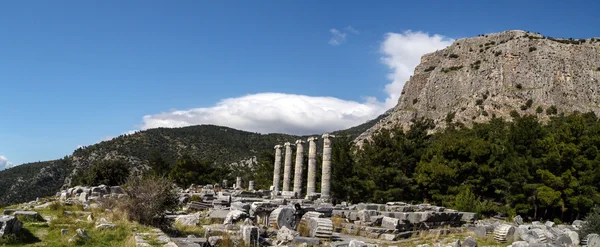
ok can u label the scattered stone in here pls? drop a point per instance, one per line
(469, 242)
(215, 240)
(9, 225)
(235, 216)
(504, 233)
(189, 220)
(28, 215)
(306, 240)
(249, 234)
(64, 231)
(286, 235)
(518, 220)
(104, 226)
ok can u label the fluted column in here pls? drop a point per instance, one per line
(298, 168)
(312, 166)
(326, 172)
(287, 167)
(277, 169)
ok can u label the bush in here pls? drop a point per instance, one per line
(465, 201)
(498, 53)
(479, 102)
(519, 86)
(430, 68)
(107, 172)
(453, 55)
(539, 110)
(532, 49)
(551, 110)
(148, 199)
(592, 224)
(529, 103)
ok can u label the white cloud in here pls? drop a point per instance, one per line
(4, 163)
(402, 53)
(301, 114)
(337, 38)
(273, 112)
(352, 30)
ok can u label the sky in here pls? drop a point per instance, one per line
(74, 73)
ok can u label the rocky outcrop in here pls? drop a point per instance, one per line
(477, 78)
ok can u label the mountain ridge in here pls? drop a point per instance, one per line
(477, 78)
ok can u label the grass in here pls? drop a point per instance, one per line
(48, 234)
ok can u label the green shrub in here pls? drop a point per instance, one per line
(539, 109)
(475, 65)
(519, 86)
(430, 68)
(478, 102)
(529, 103)
(532, 49)
(465, 201)
(551, 110)
(592, 224)
(453, 68)
(107, 172)
(498, 53)
(453, 55)
(195, 198)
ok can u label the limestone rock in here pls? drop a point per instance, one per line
(286, 235)
(495, 74)
(249, 234)
(9, 225)
(469, 242)
(235, 216)
(189, 220)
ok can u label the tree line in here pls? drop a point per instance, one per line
(526, 167)
(521, 167)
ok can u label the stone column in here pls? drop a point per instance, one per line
(287, 167)
(277, 170)
(251, 185)
(312, 166)
(326, 172)
(298, 168)
(238, 183)
(225, 183)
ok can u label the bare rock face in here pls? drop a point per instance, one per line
(477, 78)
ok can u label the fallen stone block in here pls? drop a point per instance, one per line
(9, 225)
(390, 223)
(286, 235)
(28, 215)
(306, 240)
(388, 237)
(235, 216)
(249, 234)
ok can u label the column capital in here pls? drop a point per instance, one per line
(299, 142)
(326, 136)
(287, 144)
(312, 139)
(278, 146)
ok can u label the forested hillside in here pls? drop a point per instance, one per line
(524, 167)
(217, 145)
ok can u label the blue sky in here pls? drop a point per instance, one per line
(79, 72)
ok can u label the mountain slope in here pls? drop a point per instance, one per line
(222, 145)
(477, 78)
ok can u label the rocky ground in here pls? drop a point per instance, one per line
(213, 216)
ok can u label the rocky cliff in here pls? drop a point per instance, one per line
(475, 79)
